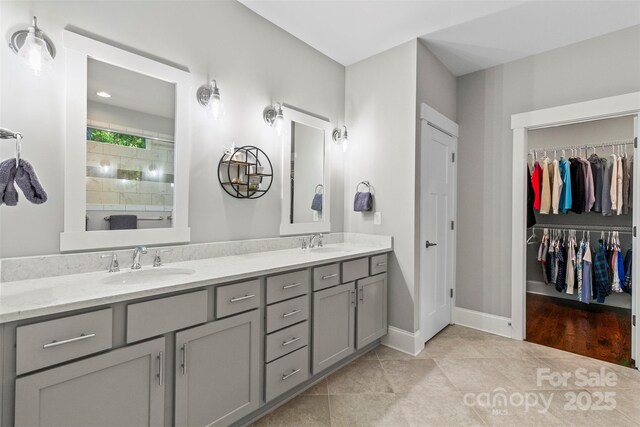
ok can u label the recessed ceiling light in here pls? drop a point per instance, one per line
(103, 94)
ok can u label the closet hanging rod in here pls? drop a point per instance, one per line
(619, 142)
(577, 227)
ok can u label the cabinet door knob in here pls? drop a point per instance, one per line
(429, 244)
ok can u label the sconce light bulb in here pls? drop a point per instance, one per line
(216, 106)
(278, 123)
(34, 53)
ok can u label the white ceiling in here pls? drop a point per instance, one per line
(130, 90)
(466, 35)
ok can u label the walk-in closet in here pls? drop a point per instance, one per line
(579, 251)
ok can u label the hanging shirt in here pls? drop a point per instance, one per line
(601, 270)
(571, 265)
(536, 183)
(531, 216)
(620, 271)
(579, 265)
(543, 251)
(625, 185)
(615, 278)
(577, 186)
(565, 194)
(628, 259)
(586, 274)
(606, 188)
(589, 194)
(561, 260)
(613, 180)
(597, 169)
(619, 187)
(630, 170)
(545, 197)
(557, 187)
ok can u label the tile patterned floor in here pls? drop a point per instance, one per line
(453, 382)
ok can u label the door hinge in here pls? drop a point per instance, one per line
(635, 142)
(634, 231)
(453, 157)
(633, 320)
(453, 225)
(451, 293)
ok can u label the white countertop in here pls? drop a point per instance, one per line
(38, 297)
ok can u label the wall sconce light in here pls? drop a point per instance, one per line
(274, 117)
(340, 136)
(209, 96)
(33, 47)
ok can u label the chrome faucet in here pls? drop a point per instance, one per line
(312, 239)
(139, 250)
(114, 267)
(157, 261)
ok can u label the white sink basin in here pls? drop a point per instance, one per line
(329, 250)
(136, 277)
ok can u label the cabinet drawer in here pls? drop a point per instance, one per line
(285, 286)
(378, 264)
(162, 315)
(55, 341)
(287, 313)
(236, 298)
(285, 373)
(354, 270)
(328, 275)
(285, 341)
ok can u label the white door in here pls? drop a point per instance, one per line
(437, 234)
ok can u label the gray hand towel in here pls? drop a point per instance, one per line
(8, 193)
(123, 222)
(363, 202)
(27, 181)
(316, 204)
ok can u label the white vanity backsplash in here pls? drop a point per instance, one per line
(36, 267)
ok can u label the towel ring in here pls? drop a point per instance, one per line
(321, 188)
(365, 183)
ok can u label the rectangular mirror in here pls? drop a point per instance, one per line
(127, 155)
(306, 193)
(130, 149)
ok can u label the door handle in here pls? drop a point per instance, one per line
(429, 244)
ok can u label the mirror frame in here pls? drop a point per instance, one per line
(78, 49)
(286, 228)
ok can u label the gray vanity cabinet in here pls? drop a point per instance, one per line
(217, 371)
(372, 309)
(123, 387)
(334, 311)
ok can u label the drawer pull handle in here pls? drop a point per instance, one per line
(294, 312)
(293, 285)
(291, 341)
(330, 276)
(284, 377)
(68, 341)
(236, 299)
(380, 264)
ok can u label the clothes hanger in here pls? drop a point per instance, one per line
(533, 238)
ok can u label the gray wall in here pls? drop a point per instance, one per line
(604, 66)
(129, 118)
(380, 113)
(254, 62)
(383, 95)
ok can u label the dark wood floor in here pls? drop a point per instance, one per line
(591, 330)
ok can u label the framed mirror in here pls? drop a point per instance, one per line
(306, 184)
(127, 149)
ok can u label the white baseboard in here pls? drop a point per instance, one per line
(491, 323)
(404, 341)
